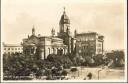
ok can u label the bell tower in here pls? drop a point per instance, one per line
(64, 22)
(64, 30)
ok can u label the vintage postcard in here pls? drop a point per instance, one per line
(63, 41)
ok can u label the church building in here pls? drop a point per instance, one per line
(89, 43)
(61, 44)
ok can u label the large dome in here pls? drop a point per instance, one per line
(64, 19)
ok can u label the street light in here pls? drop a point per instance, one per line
(79, 56)
(99, 74)
(81, 60)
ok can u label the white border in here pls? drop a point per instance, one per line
(125, 45)
(125, 37)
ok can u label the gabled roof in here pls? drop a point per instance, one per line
(33, 36)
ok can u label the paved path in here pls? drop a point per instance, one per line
(104, 74)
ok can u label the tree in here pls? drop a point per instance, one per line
(98, 59)
(16, 66)
(19, 65)
(89, 60)
(59, 60)
(117, 56)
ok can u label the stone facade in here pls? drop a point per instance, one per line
(90, 43)
(65, 33)
(44, 45)
(61, 44)
(64, 42)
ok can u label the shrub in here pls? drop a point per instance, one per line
(73, 69)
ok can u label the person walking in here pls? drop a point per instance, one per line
(89, 76)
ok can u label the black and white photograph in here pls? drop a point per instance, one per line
(63, 41)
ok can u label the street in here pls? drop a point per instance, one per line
(103, 74)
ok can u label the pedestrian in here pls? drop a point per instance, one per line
(85, 78)
(89, 76)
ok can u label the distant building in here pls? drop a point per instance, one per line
(90, 43)
(12, 48)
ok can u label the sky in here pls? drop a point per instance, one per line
(105, 17)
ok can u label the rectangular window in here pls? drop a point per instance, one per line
(15, 48)
(99, 50)
(99, 45)
(4, 48)
(18, 48)
(8, 48)
(12, 49)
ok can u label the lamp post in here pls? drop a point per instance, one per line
(81, 60)
(79, 55)
(99, 74)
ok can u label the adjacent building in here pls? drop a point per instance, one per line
(12, 48)
(90, 43)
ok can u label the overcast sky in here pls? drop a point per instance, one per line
(103, 16)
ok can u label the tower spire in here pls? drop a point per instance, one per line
(33, 30)
(53, 32)
(64, 9)
(75, 33)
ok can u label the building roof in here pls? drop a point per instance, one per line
(56, 38)
(88, 33)
(64, 18)
(32, 36)
(45, 37)
(12, 45)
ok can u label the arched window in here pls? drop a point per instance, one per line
(61, 51)
(9, 53)
(54, 50)
(64, 51)
(8, 48)
(57, 50)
